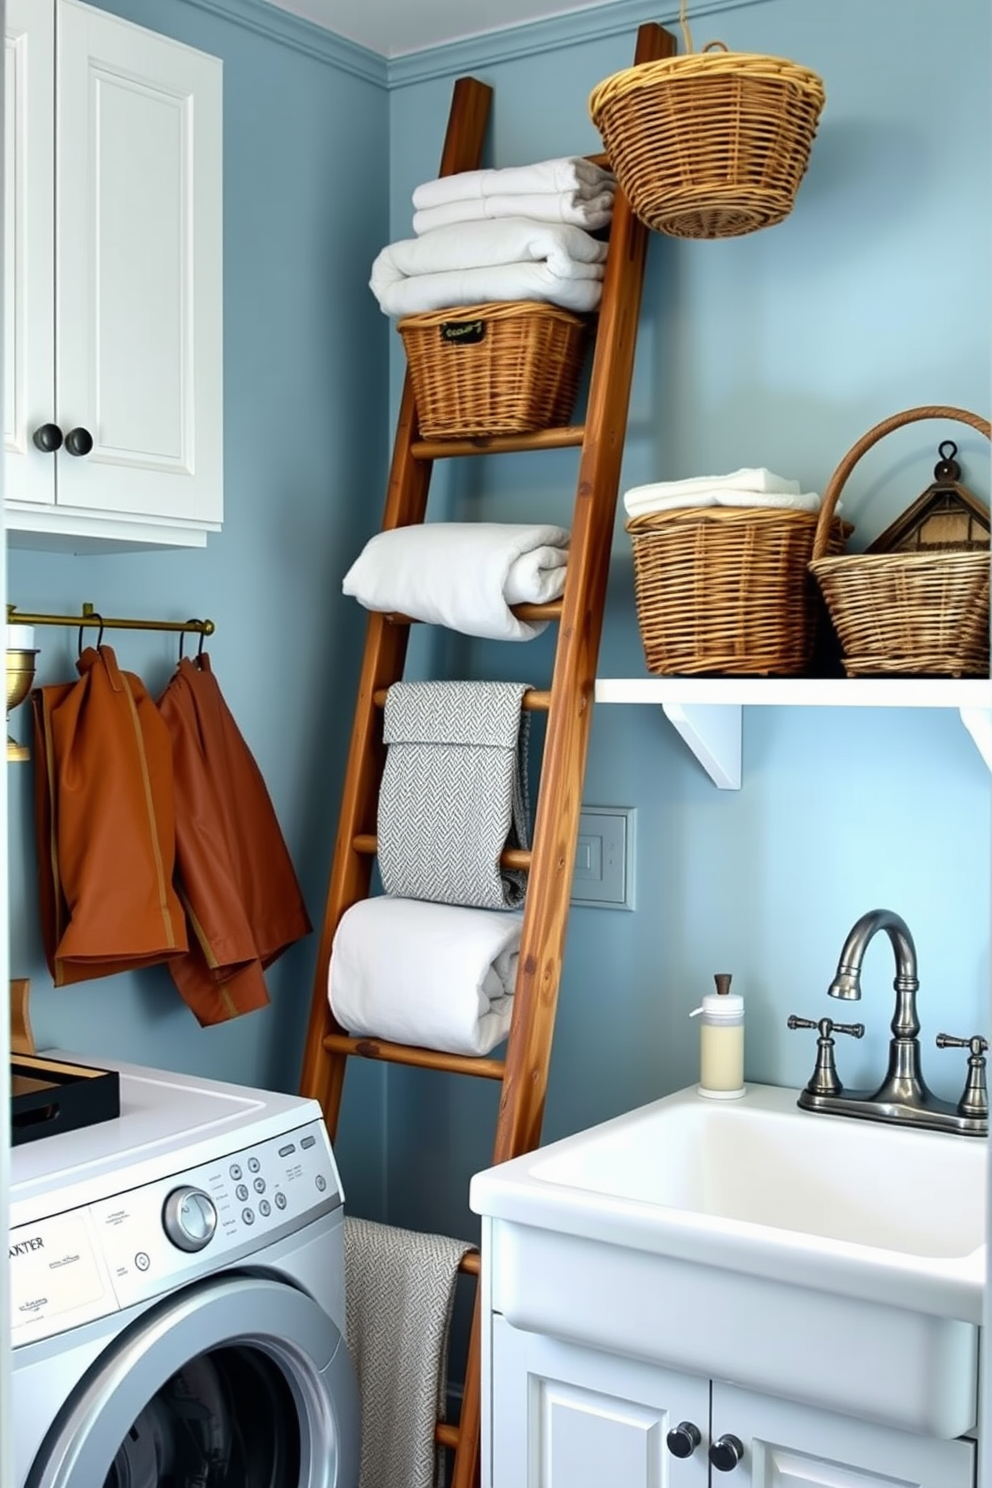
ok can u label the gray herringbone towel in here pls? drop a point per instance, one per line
(454, 792)
(400, 1286)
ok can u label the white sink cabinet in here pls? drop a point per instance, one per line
(561, 1416)
(113, 283)
(811, 1285)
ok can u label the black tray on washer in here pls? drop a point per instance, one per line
(52, 1095)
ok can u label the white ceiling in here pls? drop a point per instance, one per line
(394, 27)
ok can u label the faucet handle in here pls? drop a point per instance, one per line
(825, 1080)
(975, 1100)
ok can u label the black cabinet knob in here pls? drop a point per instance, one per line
(683, 1439)
(48, 438)
(726, 1452)
(79, 441)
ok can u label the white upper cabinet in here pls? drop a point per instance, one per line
(113, 283)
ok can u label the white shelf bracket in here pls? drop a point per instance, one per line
(978, 722)
(713, 733)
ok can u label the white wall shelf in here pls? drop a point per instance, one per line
(706, 711)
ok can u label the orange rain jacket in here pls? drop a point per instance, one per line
(105, 824)
(234, 873)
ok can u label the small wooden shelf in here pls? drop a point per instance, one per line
(706, 711)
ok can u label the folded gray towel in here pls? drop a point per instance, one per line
(400, 1287)
(454, 792)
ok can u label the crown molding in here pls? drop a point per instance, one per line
(300, 35)
(533, 37)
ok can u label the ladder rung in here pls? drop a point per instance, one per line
(373, 1048)
(569, 436)
(551, 610)
(532, 701)
(511, 857)
(471, 1263)
(446, 1434)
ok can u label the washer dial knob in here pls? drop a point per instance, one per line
(189, 1218)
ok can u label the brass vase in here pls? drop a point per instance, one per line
(20, 675)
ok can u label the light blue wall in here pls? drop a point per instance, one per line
(306, 167)
(776, 349)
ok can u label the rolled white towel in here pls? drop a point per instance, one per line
(564, 173)
(463, 575)
(436, 975)
(590, 213)
(804, 501)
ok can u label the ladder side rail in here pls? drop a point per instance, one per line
(572, 690)
(384, 655)
(528, 1053)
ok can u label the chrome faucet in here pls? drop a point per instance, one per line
(903, 1097)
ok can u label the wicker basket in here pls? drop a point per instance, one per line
(503, 368)
(709, 145)
(726, 589)
(905, 614)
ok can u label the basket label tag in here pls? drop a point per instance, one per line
(465, 332)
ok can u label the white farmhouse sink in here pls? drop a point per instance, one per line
(826, 1259)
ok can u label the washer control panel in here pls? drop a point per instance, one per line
(109, 1255)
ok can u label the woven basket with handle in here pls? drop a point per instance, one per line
(905, 614)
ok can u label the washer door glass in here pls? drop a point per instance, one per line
(237, 1382)
(227, 1419)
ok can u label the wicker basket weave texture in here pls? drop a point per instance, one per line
(905, 614)
(726, 589)
(503, 368)
(710, 145)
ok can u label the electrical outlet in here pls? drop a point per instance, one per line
(604, 858)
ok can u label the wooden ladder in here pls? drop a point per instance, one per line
(523, 1072)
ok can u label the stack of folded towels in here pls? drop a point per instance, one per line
(747, 487)
(522, 233)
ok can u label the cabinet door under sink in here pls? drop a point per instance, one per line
(793, 1446)
(567, 1417)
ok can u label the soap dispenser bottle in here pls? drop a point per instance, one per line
(721, 1042)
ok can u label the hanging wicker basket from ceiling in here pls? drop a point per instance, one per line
(712, 144)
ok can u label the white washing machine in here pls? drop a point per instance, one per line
(177, 1291)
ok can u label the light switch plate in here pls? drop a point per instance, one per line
(604, 858)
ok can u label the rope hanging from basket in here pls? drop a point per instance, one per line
(684, 23)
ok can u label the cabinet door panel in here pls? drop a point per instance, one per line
(565, 1417)
(29, 304)
(791, 1446)
(138, 270)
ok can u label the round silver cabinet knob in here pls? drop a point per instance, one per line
(189, 1218)
(726, 1452)
(683, 1439)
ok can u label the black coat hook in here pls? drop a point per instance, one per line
(99, 639)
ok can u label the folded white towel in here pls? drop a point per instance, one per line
(565, 173)
(746, 479)
(464, 575)
(436, 975)
(639, 506)
(590, 213)
(500, 284)
(506, 258)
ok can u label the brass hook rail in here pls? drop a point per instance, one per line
(92, 617)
